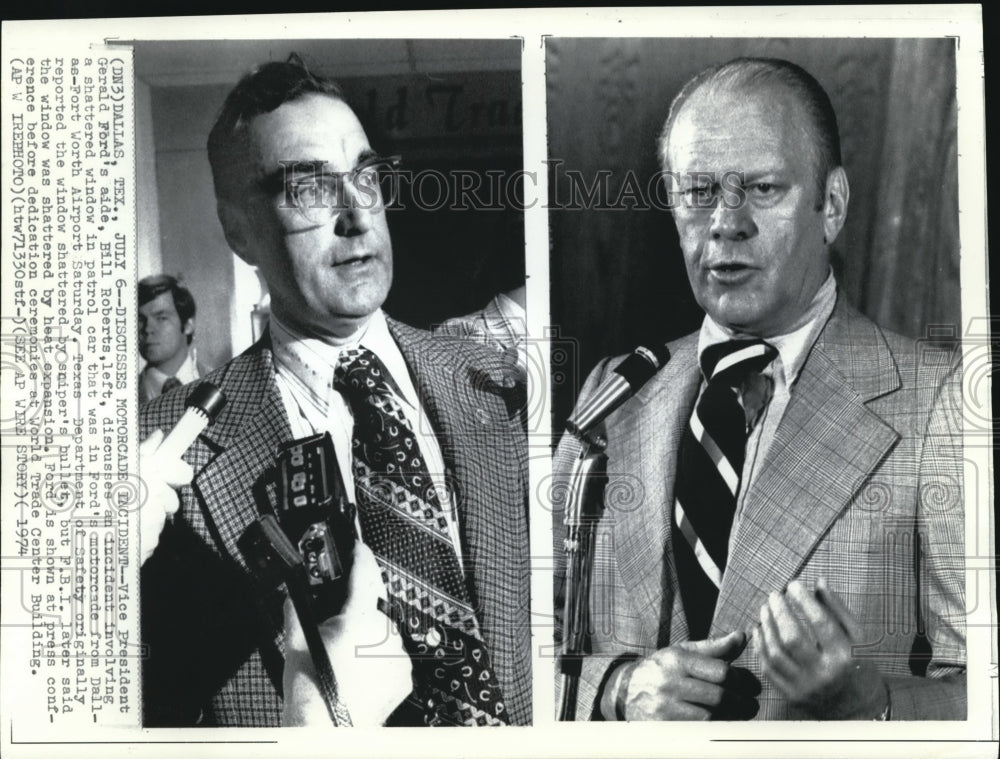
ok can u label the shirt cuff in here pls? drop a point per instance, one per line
(613, 691)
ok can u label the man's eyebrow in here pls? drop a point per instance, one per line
(365, 155)
(698, 179)
(773, 174)
(275, 180)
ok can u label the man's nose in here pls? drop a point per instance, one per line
(732, 223)
(356, 218)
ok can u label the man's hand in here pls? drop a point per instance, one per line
(692, 680)
(374, 673)
(806, 641)
(161, 474)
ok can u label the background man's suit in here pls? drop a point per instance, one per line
(216, 637)
(862, 482)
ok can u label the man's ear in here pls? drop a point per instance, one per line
(838, 193)
(188, 328)
(236, 227)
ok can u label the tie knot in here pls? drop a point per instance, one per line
(360, 372)
(170, 384)
(731, 362)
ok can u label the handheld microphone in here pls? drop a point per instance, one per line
(624, 382)
(203, 406)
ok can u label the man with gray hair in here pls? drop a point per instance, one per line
(797, 550)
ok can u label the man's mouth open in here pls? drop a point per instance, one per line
(730, 273)
(354, 261)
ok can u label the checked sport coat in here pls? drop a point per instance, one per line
(862, 485)
(215, 636)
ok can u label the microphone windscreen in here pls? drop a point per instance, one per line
(623, 382)
(204, 403)
(642, 364)
(208, 398)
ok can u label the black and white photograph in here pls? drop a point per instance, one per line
(781, 531)
(330, 178)
(620, 377)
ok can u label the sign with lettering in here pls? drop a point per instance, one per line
(417, 107)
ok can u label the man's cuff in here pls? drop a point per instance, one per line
(613, 690)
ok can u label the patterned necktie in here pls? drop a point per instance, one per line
(709, 470)
(403, 522)
(169, 384)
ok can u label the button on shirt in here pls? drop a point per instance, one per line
(304, 368)
(793, 349)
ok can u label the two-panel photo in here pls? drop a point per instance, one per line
(730, 407)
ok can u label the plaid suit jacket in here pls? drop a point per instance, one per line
(861, 485)
(215, 636)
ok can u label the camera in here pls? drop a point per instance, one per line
(312, 532)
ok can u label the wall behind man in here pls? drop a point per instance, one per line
(192, 245)
(617, 275)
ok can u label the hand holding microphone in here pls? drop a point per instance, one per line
(162, 469)
(160, 474)
(374, 672)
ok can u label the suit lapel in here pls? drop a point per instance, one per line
(235, 480)
(448, 396)
(648, 431)
(485, 454)
(827, 444)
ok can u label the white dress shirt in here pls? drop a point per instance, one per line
(152, 379)
(304, 367)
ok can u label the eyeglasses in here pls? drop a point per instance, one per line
(321, 196)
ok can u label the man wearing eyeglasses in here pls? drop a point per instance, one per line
(435, 626)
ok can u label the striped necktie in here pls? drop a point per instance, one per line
(403, 522)
(709, 470)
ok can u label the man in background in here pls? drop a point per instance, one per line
(166, 330)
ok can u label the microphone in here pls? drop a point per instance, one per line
(203, 406)
(624, 382)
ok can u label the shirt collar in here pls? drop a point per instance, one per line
(793, 347)
(186, 372)
(508, 308)
(311, 360)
